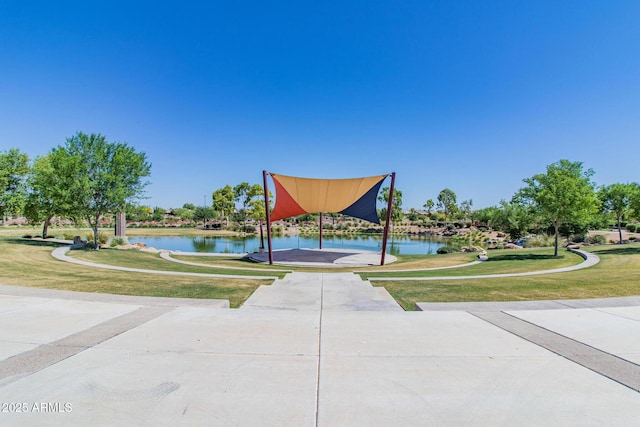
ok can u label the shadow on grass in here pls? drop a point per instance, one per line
(29, 242)
(521, 257)
(619, 251)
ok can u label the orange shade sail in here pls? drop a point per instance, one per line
(355, 197)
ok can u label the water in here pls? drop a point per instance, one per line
(233, 244)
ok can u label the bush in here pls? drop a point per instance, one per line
(102, 237)
(578, 238)
(446, 250)
(540, 241)
(633, 227)
(118, 241)
(597, 239)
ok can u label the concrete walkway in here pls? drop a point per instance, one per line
(315, 350)
(322, 292)
(61, 254)
(589, 261)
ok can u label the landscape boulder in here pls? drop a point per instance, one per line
(512, 246)
(78, 243)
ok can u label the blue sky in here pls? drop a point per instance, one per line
(469, 95)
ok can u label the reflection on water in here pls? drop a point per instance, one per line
(237, 244)
(204, 244)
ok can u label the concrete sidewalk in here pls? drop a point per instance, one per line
(322, 355)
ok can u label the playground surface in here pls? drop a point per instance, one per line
(324, 349)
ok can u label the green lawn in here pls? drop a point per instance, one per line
(151, 261)
(503, 261)
(617, 274)
(29, 263)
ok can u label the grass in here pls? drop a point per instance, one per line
(504, 261)
(616, 275)
(29, 263)
(152, 261)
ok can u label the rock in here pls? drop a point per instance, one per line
(511, 246)
(471, 249)
(78, 243)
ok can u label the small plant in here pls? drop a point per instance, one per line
(539, 241)
(447, 250)
(597, 239)
(102, 238)
(578, 238)
(118, 241)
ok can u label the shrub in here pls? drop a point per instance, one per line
(633, 227)
(102, 237)
(578, 238)
(118, 241)
(597, 239)
(446, 250)
(540, 241)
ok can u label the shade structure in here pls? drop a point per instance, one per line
(355, 197)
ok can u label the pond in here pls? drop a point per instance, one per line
(234, 244)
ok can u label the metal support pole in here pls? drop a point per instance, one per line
(267, 214)
(386, 225)
(320, 231)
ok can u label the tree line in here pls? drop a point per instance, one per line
(88, 177)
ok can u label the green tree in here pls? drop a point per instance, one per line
(136, 212)
(428, 205)
(44, 198)
(447, 203)
(201, 213)
(184, 213)
(465, 208)
(97, 177)
(190, 206)
(396, 205)
(635, 201)
(513, 218)
(244, 193)
(241, 195)
(257, 209)
(223, 202)
(158, 213)
(488, 216)
(413, 215)
(14, 167)
(617, 199)
(565, 193)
